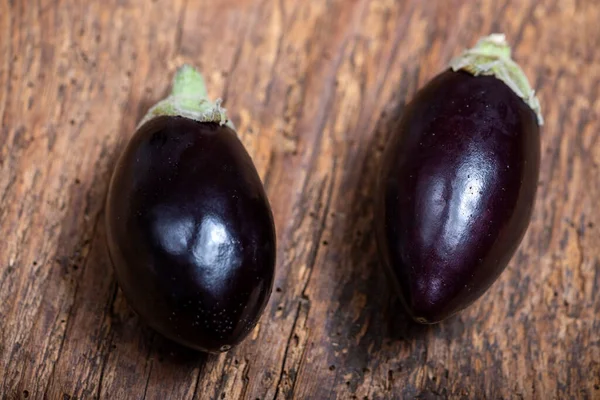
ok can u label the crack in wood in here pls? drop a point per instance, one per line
(107, 313)
(282, 371)
(245, 378)
(149, 360)
(180, 26)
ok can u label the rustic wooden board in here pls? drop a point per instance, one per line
(312, 86)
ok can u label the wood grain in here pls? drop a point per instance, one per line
(313, 87)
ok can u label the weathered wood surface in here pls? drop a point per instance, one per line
(312, 86)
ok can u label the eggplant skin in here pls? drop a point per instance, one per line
(190, 232)
(456, 191)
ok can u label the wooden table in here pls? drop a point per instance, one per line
(312, 87)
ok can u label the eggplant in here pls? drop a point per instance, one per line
(190, 230)
(458, 182)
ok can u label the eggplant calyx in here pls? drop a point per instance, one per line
(189, 99)
(492, 56)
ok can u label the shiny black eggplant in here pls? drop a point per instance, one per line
(190, 229)
(458, 182)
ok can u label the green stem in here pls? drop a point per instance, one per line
(492, 56)
(189, 99)
(189, 83)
